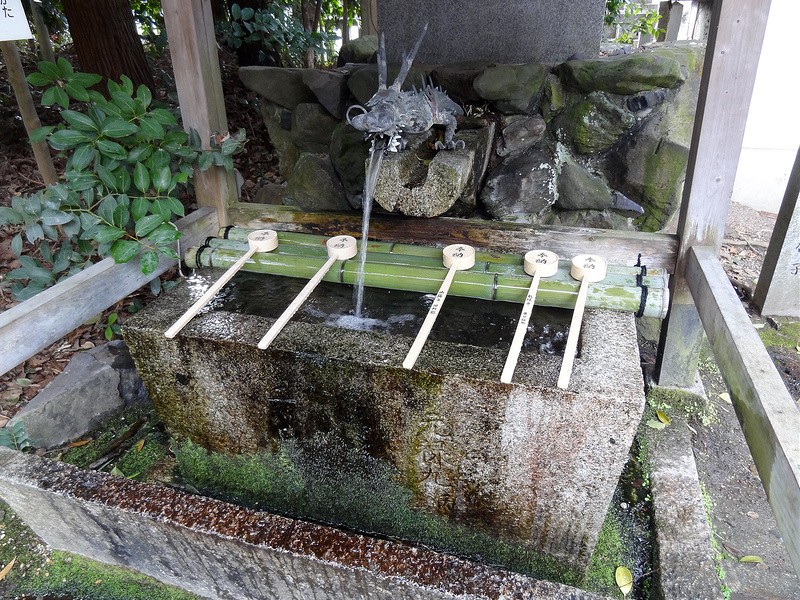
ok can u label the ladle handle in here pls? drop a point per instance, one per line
(209, 294)
(522, 329)
(427, 325)
(572, 339)
(278, 325)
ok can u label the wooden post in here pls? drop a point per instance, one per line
(193, 47)
(735, 38)
(770, 420)
(369, 17)
(27, 109)
(778, 289)
(42, 34)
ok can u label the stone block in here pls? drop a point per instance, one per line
(503, 31)
(95, 385)
(531, 463)
(219, 551)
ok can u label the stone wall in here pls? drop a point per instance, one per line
(544, 31)
(597, 142)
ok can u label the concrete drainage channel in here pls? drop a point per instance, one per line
(217, 550)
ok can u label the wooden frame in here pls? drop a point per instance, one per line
(34, 324)
(737, 30)
(770, 420)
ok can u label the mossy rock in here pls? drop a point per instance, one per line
(314, 185)
(595, 123)
(624, 74)
(512, 88)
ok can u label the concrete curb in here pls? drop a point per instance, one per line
(218, 550)
(684, 548)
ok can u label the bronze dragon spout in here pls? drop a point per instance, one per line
(393, 113)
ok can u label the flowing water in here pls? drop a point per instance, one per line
(375, 161)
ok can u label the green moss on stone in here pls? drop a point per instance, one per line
(786, 336)
(89, 580)
(352, 490)
(675, 401)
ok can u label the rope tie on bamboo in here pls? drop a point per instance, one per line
(640, 283)
(201, 249)
(227, 231)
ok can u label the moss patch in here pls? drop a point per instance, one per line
(786, 336)
(137, 456)
(39, 571)
(83, 578)
(350, 490)
(677, 402)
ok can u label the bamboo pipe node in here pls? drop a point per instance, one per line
(262, 240)
(586, 268)
(538, 263)
(456, 257)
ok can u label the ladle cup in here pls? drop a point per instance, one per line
(539, 263)
(586, 268)
(341, 247)
(263, 240)
(457, 257)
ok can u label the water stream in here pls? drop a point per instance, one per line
(374, 167)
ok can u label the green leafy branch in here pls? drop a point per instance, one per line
(275, 30)
(15, 437)
(128, 161)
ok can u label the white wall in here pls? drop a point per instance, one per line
(772, 136)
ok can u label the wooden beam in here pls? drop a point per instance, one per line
(770, 420)
(27, 109)
(193, 48)
(34, 324)
(735, 38)
(656, 251)
(778, 289)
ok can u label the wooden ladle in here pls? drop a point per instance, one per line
(262, 240)
(586, 268)
(341, 247)
(539, 263)
(457, 257)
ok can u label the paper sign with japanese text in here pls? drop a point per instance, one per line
(13, 22)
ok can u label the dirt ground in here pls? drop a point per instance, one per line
(741, 517)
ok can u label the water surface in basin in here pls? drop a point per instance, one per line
(461, 320)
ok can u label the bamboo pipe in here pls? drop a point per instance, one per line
(490, 262)
(557, 291)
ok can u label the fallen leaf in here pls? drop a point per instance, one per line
(726, 397)
(655, 424)
(663, 417)
(24, 382)
(752, 515)
(624, 580)
(751, 559)
(758, 325)
(116, 471)
(80, 443)
(140, 445)
(3, 421)
(7, 569)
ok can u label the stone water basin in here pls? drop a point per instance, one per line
(526, 462)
